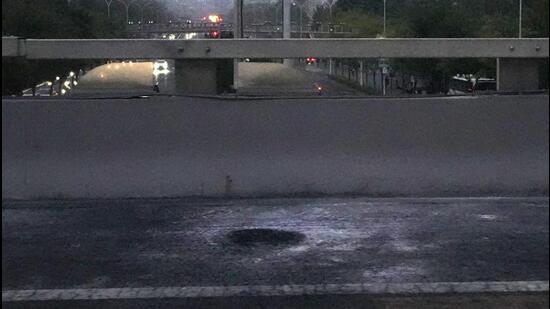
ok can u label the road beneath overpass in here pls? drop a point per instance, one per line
(255, 79)
(121, 250)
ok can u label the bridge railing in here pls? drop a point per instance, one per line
(517, 59)
(274, 48)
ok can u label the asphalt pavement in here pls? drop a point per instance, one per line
(276, 79)
(330, 245)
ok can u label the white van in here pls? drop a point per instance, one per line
(460, 85)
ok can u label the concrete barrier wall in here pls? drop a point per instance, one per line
(187, 146)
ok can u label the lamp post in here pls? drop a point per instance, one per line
(384, 18)
(108, 3)
(127, 5)
(330, 4)
(286, 19)
(301, 13)
(301, 23)
(520, 18)
(278, 11)
(142, 9)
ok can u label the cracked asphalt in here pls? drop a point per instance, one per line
(184, 242)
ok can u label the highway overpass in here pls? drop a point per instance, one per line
(205, 66)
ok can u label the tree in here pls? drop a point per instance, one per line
(322, 14)
(75, 19)
(58, 19)
(375, 7)
(536, 23)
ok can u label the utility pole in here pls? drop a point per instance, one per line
(301, 23)
(384, 18)
(330, 3)
(127, 5)
(520, 17)
(238, 19)
(286, 19)
(286, 25)
(142, 9)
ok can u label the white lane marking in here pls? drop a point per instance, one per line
(275, 290)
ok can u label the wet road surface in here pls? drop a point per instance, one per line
(183, 242)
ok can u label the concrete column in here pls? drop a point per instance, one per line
(286, 19)
(201, 76)
(237, 34)
(238, 19)
(236, 85)
(517, 74)
(361, 70)
(331, 66)
(286, 26)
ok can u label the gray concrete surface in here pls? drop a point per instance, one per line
(518, 74)
(180, 146)
(283, 48)
(388, 253)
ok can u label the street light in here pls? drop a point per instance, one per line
(108, 3)
(384, 18)
(142, 8)
(300, 6)
(127, 5)
(520, 17)
(277, 9)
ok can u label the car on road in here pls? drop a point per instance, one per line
(160, 67)
(460, 85)
(483, 84)
(311, 60)
(41, 90)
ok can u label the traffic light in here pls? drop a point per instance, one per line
(219, 34)
(212, 35)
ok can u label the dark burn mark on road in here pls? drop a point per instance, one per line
(270, 237)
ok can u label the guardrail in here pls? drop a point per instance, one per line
(273, 48)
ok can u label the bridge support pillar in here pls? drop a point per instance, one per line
(204, 76)
(287, 27)
(361, 73)
(331, 70)
(517, 74)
